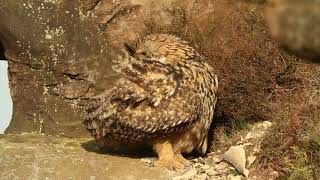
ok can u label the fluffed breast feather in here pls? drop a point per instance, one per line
(160, 94)
(147, 103)
(130, 117)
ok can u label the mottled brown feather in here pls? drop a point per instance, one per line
(166, 88)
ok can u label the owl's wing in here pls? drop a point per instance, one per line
(159, 80)
(130, 118)
(147, 103)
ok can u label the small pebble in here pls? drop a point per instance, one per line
(201, 160)
(212, 172)
(197, 165)
(195, 160)
(146, 160)
(187, 174)
(251, 160)
(205, 167)
(232, 177)
(201, 176)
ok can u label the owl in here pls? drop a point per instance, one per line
(165, 98)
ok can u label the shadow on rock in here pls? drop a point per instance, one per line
(132, 151)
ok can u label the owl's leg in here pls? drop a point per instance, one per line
(179, 147)
(167, 157)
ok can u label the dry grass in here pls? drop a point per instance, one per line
(257, 80)
(293, 145)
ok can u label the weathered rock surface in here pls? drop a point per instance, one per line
(36, 156)
(51, 49)
(60, 53)
(39, 156)
(295, 24)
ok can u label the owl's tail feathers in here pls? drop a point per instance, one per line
(94, 115)
(203, 146)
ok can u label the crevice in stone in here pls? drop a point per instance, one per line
(73, 76)
(117, 11)
(2, 57)
(12, 57)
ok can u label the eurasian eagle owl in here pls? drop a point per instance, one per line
(166, 98)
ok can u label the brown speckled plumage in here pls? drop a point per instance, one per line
(168, 92)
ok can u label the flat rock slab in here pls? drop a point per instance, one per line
(36, 156)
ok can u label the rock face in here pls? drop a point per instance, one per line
(295, 24)
(59, 54)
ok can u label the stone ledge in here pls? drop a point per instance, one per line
(37, 156)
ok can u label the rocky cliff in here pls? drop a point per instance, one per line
(59, 54)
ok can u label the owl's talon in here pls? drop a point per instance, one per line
(182, 160)
(167, 158)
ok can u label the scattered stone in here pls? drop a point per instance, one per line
(187, 174)
(195, 160)
(251, 160)
(212, 172)
(222, 167)
(232, 177)
(205, 167)
(202, 176)
(201, 160)
(213, 160)
(200, 170)
(258, 131)
(237, 158)
(216, 178)
(213, 166)
(197, 165)
(210, 161)
(274, 174)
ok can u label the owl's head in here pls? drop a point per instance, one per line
(163, 48)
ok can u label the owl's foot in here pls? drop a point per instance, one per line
(171, 164)
(167, 157)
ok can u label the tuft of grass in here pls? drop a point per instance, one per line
(300, 168)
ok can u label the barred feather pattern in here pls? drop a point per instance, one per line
(167, 88)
